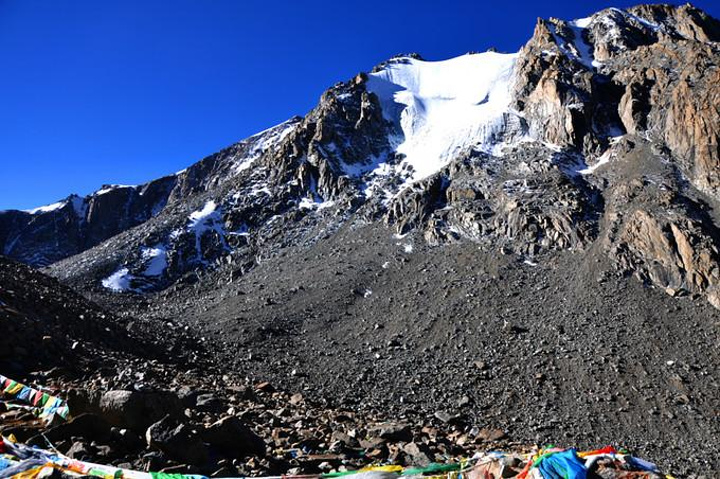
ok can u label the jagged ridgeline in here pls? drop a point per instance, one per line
(599, 134)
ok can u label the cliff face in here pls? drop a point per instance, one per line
(48, 234)
(637, 89)
(600, 134)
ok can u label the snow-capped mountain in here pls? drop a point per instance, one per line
(600, 134)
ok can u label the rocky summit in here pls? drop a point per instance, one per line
(495, 250)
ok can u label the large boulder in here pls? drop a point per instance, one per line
(136, 410)
(233, 438)
(177, 440)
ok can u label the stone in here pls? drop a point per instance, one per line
(177, 441)
(491, 435)
(393, 432)
(443, 416)
(209, 402)
(136, 410)
(233, 438)
(80, 451)
(265, 387)
(88, 426)
(419, 454)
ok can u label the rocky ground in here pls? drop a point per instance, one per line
(449, 349)
(484, 348)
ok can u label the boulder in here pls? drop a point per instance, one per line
(177, 441)
(136, 410)
(418, 454)
(208, 402)
(393, 432)
(233, 438)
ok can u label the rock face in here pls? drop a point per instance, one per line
(600, 133)
(45, 235)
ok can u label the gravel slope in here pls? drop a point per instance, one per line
(559, 349)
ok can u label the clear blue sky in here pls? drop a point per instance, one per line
(124, 91)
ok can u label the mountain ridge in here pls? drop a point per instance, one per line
(581, 95)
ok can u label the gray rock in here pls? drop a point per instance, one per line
(419, 454)
(233, 438)
(136, 410)
(177, 441)
(393, 432)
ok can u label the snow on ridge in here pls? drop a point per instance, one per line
(108, 188)
(603, 16)
(581, 50)
(47, 208)
(581, 22)
(444, 107)
(267, 139)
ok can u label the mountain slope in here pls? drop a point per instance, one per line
(44, 235)
(591, 133)
(46, 324)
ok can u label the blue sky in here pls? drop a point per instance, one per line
(125, 91)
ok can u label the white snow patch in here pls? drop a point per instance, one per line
(260, 190)
(109, 188)
(47, 208)
(582, 22)
(119, 281)
(198, 217)
(408, 248)
(578, 49)
(243, 230)
(209, 218)
(651, 25)
(309, 204)
(155, 258)
(602, 160)
(444, 107)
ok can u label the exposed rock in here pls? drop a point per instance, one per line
(234, 438)
(393, 432)
(137, 410)
(419, 454)
(177, 440)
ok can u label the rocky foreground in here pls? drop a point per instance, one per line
(323, 391)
